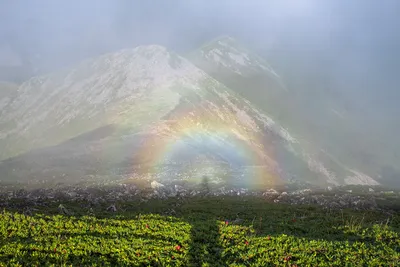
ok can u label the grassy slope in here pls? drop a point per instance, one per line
(199, 232)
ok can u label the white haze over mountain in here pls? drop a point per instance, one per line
(345, 51)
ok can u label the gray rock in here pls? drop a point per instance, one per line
(271, 192)
(72, 194)
(63, 210)
(112, 208)
(301, 192)
(156, 185)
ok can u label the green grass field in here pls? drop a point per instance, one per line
(214, 231)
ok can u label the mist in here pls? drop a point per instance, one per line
(199, 133)
(362, 29)
(345, 50)
(351, 44)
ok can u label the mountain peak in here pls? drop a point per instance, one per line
(227, 53)
(224, 40)
(148, 112)
(153, 48)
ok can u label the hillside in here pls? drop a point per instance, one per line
(145, 113)
(7, 92)
(322, 125)
(191, 231)
(139, 157)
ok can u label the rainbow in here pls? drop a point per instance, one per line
(189, 134)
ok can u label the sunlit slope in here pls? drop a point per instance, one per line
(143, 112)
(149, 113)
(321, 126)
(53, 108)
(215, 231)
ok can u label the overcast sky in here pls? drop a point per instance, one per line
(355, 41)
(53, 25)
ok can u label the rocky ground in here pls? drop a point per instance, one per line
(342, 197)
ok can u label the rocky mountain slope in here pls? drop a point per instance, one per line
(7, 93)
(147, 113)
(321, 126)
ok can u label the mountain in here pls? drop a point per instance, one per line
(324, 126)
(231, 63)
(7, 92)
(148, 113)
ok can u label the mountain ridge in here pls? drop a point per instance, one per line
(165, 109)
(281, 103)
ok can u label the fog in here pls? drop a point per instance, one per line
(354, 41)
(344, 48)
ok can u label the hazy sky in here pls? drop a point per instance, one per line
(356, 41)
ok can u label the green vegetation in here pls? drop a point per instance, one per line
(212, 231)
